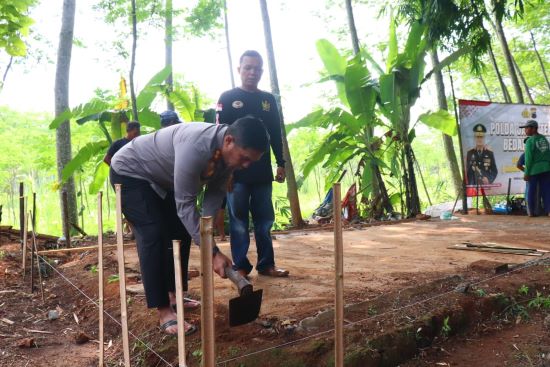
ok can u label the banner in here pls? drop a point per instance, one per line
(492, 143)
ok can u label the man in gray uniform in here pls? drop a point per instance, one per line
(161, 176)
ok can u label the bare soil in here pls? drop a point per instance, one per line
(399, 277)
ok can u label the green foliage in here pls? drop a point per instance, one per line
(446, 328)
(481, 292)
(204, 18)
(523, 290)
(93, 269)
(113, 278)
(14, 25)
(540, 302)
(441, 120)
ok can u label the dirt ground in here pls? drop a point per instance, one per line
(383, 263)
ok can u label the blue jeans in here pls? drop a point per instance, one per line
(542, 180)
(255, 199)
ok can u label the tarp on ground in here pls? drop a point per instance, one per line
(492, 143)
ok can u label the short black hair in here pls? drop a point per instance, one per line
(133, 125)
(249, 132)
(251, 53)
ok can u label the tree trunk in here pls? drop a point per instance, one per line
(227, 44)
(505, 93)
(292, 187)
(540, 61)
(485, 87)
(63, 133)
(508, 57)
(447, 140)
(168, 36)
(411, 186)
(6, 73)
(352, 29)
(523, 81)
(133, 62)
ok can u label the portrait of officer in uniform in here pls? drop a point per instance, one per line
(480, 161)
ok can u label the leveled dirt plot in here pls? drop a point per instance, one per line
(387, 267)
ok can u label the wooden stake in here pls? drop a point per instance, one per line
(34, 210)
(176, 246)
(22, 210)
(35, 251)
(207, 289)
(67, 226)
(100, 274)
(122, 277)
(339, 277)
(25, 235)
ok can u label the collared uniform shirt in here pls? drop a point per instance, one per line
(175, 159)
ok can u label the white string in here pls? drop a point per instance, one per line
(105, 312)
(525, 265)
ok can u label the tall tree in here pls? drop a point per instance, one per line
(292, 187)
(227, 44)
(447, 140)
(503, 87)
(63, 132)
(168, 41)
(133, 60)
(543, 69)
(496, 23)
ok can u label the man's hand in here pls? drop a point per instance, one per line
(280, 177)
(485, 181)
(219, 263)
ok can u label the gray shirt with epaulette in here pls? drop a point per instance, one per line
(174, 159)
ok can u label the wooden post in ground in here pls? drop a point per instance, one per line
(207, 289)
(100, 273)
(176, 245)
(35, 251)
(339, 277)
(22, 210)
(67, 227)
(34, 211)
(24, 241)
(122, 277)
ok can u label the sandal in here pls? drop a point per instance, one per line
(188, 304)
(274, 272)
(192, 328)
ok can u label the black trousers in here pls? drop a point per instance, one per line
(155, 223)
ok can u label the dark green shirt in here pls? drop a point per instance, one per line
(537, 155)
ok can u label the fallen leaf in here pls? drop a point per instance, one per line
(26, 343)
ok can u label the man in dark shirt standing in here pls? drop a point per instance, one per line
(252, 187)
(132, 132)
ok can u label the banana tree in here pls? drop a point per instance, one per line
(112, 113)
(383, 101)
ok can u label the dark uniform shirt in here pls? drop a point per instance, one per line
(481, 163)
(115, 147)
(237, 103)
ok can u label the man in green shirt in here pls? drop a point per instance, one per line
(537, 167)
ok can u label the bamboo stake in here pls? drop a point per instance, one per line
(207, 290)
(176, 246)
(22, 209)
(122, 277)
(100, 273)
(35, 251)
(339, 278)
(25, 235)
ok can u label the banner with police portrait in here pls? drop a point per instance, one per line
(493, 141)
